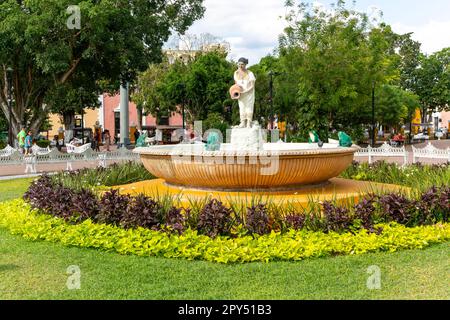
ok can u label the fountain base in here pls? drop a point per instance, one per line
(337, 189)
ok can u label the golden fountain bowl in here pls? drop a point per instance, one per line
(277, 166)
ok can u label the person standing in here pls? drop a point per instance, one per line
(136, 135)
(96, 142)
(246, 80)
(21, 137)
(107, 139)
(28, 143)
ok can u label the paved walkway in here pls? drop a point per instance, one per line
(19, 177)
(19, 169)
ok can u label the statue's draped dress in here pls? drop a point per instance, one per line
(247, 98)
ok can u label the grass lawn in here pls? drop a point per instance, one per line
(12, 189)
(37, 270)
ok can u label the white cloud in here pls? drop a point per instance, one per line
(251, 27)
(433, 35)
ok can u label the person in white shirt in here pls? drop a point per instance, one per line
(246, 80)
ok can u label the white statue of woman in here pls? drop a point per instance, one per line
(246, 80)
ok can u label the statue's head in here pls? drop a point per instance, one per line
(242, 63)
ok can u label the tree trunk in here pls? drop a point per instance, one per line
(424, 114)
(27, 109)
(69, 120)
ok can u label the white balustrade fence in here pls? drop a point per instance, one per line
(430, 152)
(11, 156)
(384, 151)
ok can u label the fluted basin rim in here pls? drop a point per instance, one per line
(285, 149)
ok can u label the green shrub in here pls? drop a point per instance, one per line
(114, 175)
(43, 143)
(20, 219)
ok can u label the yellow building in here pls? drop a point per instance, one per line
(56, 121)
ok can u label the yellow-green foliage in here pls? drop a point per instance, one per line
(19, 218)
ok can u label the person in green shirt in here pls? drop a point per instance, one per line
(21, 137)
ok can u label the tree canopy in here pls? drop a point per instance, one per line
(201, 85)
(55, 66)
(328, 62)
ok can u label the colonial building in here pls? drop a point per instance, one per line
(107, 117)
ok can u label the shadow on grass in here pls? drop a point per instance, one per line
(8, 267)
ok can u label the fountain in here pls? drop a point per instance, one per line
(247, 164)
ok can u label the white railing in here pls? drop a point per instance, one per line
(15, 157)
(384, 151)
(35, 149)
(430, 152)
(7, 151)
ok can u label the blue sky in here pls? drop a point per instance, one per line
(252, 26)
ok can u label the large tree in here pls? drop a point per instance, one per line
(146, 94)
(200, 85)
(433, 82)
(51, 61)
(335, 58)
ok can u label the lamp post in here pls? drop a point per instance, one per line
(182, 88)
(373, 114)
(9, 72)
(271, 74)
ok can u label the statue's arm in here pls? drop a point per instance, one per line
(250, 86)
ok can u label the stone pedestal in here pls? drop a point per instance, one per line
(247, 139)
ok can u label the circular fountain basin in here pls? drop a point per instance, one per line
(279, 166)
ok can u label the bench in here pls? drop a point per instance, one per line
(74, 149)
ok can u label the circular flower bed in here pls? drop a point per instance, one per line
(18, 217)
(210, 231)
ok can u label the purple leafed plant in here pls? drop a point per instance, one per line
(258, 220)
(142, 212)
(336, 219)
(398, 208)
(365, 211)
(62, 202)
(295, 221)
(86, 205)
(113, 207)
(38, 193)
(215, 219)
(175, 220)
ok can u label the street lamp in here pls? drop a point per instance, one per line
(182, 88)
(373, 114)
(271, 75)
(9, 72)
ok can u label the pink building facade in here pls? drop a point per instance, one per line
(445, 123)
(109, 117)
